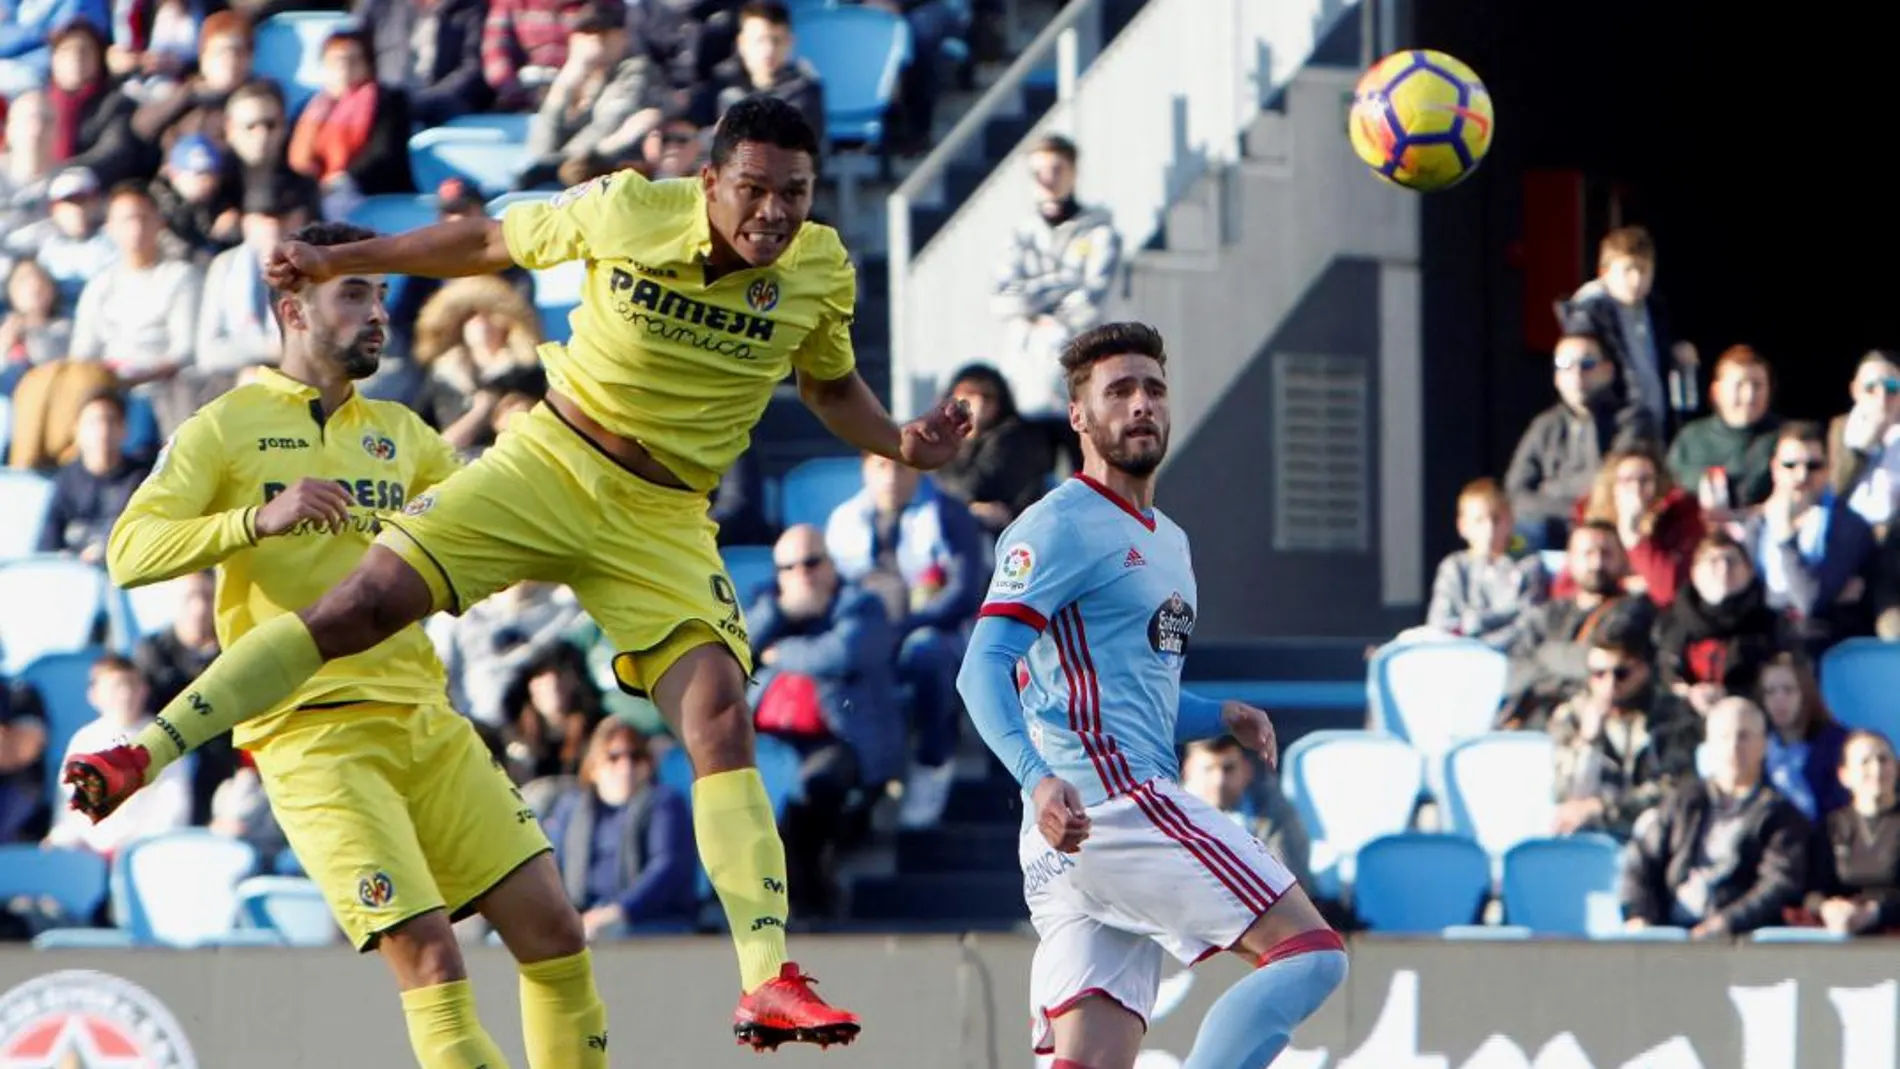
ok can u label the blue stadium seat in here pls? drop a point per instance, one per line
(48, 605)
(1500, 788)
(511, 127)
(500, 204)
(151, 608)
(288, 50)
(1270, 694)
(1665, 934)
(858, 52)
(1349, 787)
(61, 680)
(84, 939)
(481, 158)
(1796, 935)
(1433, 693)
(179, 888)
(1563, 886)
(1420, 884)
(74, 880)
(24, 499)
(141, 427)
(814, 488)
(751, 569)
(393, 213)
(1859, 678)
(557, 322)
(291, 906)
(287, 863)
(1508, 933)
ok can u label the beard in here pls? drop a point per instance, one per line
(355, 358)
(1139, 457)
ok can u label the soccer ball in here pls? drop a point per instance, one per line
(1421, 119)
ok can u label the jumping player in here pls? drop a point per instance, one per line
(387, 795)
(701, 296)
(1093, 587)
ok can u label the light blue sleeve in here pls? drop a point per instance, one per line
(1198, 718)
(1042, 564)
(987, 683)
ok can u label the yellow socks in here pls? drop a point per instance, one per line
(250, 679)
(563, 1022)
(443, 1030)
(744, 858)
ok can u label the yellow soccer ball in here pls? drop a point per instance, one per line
(1421, 119)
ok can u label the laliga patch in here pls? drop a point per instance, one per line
(574, 193)
(1013, 569)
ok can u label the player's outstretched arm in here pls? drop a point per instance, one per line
(848, 408)
(453, 249)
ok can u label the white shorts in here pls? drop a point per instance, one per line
(1161, 870)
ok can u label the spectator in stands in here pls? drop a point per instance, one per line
(92, 114)
(1221, 773)
(28, 36)
(824, 650)
(1816, 555)
(432, 51)
(524, 46)
(1864, 445)
(921, 550)
(69, 243)
(46, 406)
(170, 660)
(674, 148)
(1854, 882)
(765, 61)
(89, 493)
(1725, 455)
(224, 50)
(1658, 523)
(551, 707)
(623, 840)
(22, 761)
(353, 136)
(1548, 662)
(1630, 323)
(240, 810)
(1005, 464)
(235, 326)
(1483, 592)
(602, 103)
(687, 38)
(1622, 742)
(258, 135)
(1557, 459)
(27, 164)
(117, 693)
(140, 315)
(1720, 631)
(153, 44)
(1054, 281)
(191, 198)
(1722, 855)
(1804, 740)
(739, 507)
(470, 335)
(932, 22)
(486, 648)
(32, 331)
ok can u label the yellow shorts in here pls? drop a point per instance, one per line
(394, 810)
(545, 503)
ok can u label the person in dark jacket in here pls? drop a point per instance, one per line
(1557, 458)
(1729, 450)
(1817, 557)
(1005, 463)
(92, 114)
(353, 136)
(765, 62)
(1722, 855)
(1548, 657)
(1804, 739)
(1623, 311)
(1720, 631)
(91, 492)
(442, 78)
(1854, 882)
(624, 841)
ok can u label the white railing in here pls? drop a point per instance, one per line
(1160, 106)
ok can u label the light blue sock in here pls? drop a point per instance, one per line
(1253, 1022)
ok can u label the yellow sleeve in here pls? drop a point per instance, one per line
(826, 352)
(164, 531)
(437, 458)
(578, 222)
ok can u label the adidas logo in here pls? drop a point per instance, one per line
(1134, 559)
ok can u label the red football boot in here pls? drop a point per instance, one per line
(784, 1009)
(102, 781)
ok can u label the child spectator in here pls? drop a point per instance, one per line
(117, 693)
(1481, 591)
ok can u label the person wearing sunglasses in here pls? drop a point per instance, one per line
(1816, 554)
(1622, 741)
(1864, 444)
(1559, 455)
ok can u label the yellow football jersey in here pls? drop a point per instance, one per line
(658, 355)
(198, 509)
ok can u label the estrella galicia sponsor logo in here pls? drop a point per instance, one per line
(762, 295)
(385, 495)
(265, 445)
(79, 1017)
(665, 314)
(1172, 623)
(375, 890)
(380, 447)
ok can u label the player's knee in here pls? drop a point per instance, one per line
(718, 735)
(423, 952)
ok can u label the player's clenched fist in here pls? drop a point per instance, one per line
(1251, 728)
(1059, 814)
(293, 263)
(320, 501)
